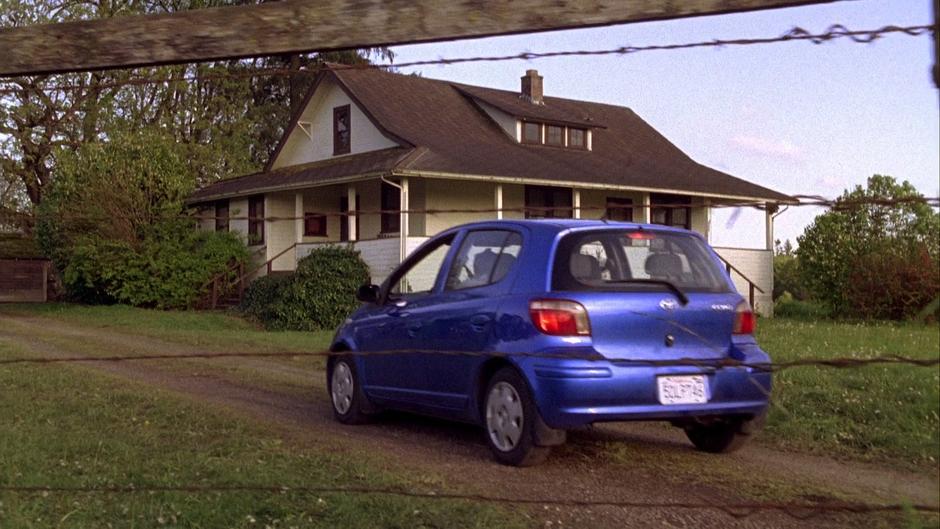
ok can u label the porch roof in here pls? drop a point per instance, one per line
(375, 163)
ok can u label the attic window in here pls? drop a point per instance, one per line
(531, 132)
(535, 133)
(341, 130)
(576, 139)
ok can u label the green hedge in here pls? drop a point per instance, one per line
(319, 295)
(166, 270)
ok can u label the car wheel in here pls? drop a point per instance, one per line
(345, 392)
(720, 437)
(509, 416)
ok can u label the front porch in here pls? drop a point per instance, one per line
(387, 218)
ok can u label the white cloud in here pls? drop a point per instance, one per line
(764, 147)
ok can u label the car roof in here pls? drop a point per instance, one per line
(559, 225)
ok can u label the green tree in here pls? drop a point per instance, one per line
(115, 227)
(787, 272)
(857, 226)
(224, 125)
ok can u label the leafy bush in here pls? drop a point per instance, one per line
(319, 295)
(168, 269)
(787, 306)
(895, 286)
(112, 225)
(855, 232)
(787, 279)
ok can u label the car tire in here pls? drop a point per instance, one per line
(345, 391)
(509, 420)
(721, 437)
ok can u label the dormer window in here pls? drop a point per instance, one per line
(531, 132)
(341, 130)
(577, 139)
(535, 133)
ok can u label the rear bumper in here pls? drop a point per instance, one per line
(572, 393)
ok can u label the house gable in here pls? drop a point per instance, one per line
(310, 137)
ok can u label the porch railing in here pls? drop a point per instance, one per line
(220, 286)
(752, 287)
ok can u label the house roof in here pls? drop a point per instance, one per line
(452, 136)
(296, 176)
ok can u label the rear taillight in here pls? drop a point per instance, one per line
(560, 317)
(744, 319)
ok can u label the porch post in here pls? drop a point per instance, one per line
(646, 213)
(769, 211)
(707, 206)
(576, 203)
(351, 207)
(498, 201)
(403, 228)
(299, 217)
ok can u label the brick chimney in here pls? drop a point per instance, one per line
(532, 87)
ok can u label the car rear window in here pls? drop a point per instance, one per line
(607, 260)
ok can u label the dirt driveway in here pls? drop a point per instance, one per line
(658, 465)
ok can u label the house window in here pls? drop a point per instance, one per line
(547, 202)
(671, 211)
(391, 202)
(221, 215)
(577, 139)
(314, 225)
(341, 130)
(554, 135)
(344, 220)
(256, 220)
(619, 209)
(531, 132)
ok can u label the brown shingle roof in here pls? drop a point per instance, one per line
(294, 176)
(454, 136)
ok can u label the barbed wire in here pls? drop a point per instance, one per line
(801, 511)
(837, 204)
(846, 362)
(795, 34)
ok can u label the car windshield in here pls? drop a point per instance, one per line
(627, 260)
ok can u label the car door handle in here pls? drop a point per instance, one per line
(479, 321)
(414, 329)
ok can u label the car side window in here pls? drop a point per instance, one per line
(420, 277)
(485, 257)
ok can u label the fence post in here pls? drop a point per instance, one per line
(750, 285)
(215, 291)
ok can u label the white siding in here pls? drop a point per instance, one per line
(301, 148)
(457, 194)
(279, 234)
(758, 266)
(238, 208)
(508, 123)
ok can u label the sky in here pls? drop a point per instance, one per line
(795, 117)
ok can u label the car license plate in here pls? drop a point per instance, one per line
(686, 389)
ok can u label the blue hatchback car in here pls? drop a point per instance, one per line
(531, 328)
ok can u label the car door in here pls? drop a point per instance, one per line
(394, 325)
(463, 316)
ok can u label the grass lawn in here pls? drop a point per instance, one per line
(876, 413)
(214, 330)
(66, 426)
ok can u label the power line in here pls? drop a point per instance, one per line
(795, 34)
(846, 362)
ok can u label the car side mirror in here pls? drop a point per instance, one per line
(368, 293)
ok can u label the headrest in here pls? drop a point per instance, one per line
(664, 265)
(584, 267)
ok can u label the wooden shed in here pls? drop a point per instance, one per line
(24, 280)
